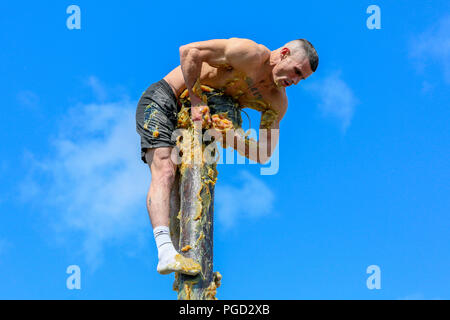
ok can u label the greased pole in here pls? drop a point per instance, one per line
(196, 220)
(194, 223)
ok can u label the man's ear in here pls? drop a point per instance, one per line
(285, 52)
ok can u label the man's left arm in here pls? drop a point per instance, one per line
(269, 131)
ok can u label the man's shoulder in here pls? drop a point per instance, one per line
(249, 50)
(249, 43)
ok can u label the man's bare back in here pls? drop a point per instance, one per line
(246, 75)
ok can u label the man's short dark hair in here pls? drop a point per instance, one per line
(311, 53)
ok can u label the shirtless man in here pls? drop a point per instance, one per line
(250, 73)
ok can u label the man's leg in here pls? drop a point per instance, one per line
(163, 175)
(158, 206)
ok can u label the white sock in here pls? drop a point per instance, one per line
(166, 250)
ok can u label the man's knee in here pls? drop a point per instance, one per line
(161, 166)
(165, 175)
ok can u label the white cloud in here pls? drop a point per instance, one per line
(94, 181)
(252, 198)
(336, 98)
(433, 46)
(98, 88)
(28, 99)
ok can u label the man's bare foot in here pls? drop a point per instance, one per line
(178, 263)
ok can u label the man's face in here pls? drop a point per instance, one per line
(291, 69)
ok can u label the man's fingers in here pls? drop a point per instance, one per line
(204, 109)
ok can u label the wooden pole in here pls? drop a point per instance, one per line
(196, 226)
(192, 201)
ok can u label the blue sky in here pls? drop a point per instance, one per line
(363, 154)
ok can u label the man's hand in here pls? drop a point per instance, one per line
(200, 113)
(222, 125)
(221, 122)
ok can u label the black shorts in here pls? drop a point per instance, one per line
(156, 117)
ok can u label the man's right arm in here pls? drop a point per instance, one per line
(237, 53)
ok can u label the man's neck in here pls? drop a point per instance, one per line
(266, 80)
(274, 57)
